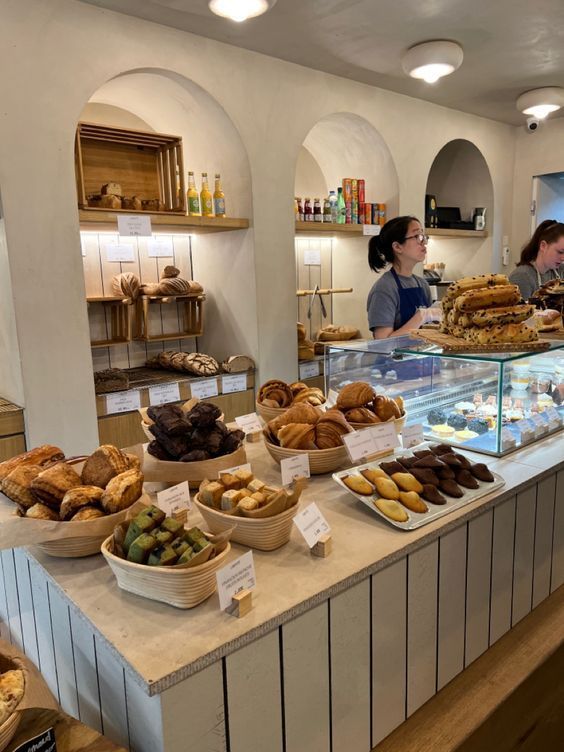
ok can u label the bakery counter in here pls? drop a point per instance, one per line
(311, 372)
(12, 430)
(119, 422)
(335, 651)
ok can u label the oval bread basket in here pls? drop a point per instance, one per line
(163, 471)
(320, 460)
(146, 423)
(182, 588)
(264, 534)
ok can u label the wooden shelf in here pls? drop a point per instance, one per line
(120, 320)
(443, 233)
(102, 220)
(328, 228)
(191, 310)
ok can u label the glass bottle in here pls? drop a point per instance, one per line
(299, 210)
(218, 198)
(193, 198)
(341, 207)
(326, 210)
(308, 211)
(206, 198)
(317, 214)
(333, 205)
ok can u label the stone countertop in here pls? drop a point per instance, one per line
(179, 643)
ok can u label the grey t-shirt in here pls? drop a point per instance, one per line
(526, 278)
(383, 304)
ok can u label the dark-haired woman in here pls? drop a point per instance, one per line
(540, 258)
(400, 300)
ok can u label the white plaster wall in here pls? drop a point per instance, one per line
(310, 181)
(10, 369)
(65, 52)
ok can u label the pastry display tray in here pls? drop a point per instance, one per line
(417, 519)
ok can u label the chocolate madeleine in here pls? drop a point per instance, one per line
(482, 472)
(464, 461)
(445, 473)
(466, 479)
(392, 467)
(451, 460)
(439, 449)
(431, 494)
(425, 475)
(431, 461)
(451, 489)
(423, 453)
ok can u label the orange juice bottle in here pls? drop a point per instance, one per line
(206, 199)
(193, 198)
(218, 198)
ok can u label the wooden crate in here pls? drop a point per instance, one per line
(146, 165)
(191, 316)
(118, 310)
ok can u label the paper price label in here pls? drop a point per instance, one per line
(360, 444)
(249, 423)
(311, 524)
(159, 395)
(412, 435)
(235, 383)
(43, 742)
(526, 430)
(134, 225)
(119, 252)
(231, 470)
(236, 576)
(385, 436)
(123, 402)
(331, 398)
(294, 467)
(160, 247)
(371, 229)
(309, 370)
(175, 499)
(507, 437)
(204, 389)
(312, 258)
(553, 415)
(540, 423)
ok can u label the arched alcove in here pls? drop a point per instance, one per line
(460, 177)
(166, 102)
(342, 145)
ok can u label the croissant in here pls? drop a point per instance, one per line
(357, 394)
(330, 428)
(300, 413)
(361, 415)
(297, 436)
(386, 408)
(278, 391)
(297, 387)
(314, 396)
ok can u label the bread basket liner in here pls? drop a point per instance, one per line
(36, 693)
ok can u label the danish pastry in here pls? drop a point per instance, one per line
(391, 509)
(358, 484)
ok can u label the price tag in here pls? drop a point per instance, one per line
(175, 499)
(249, 423)
(526, 430)
(236, 576)
(204, 389)
(412, 435)
(134, 225)
(311, 524)
(385, 436)
(507, 437)
(294, 467)
(123, 402)
(160, 247)
(360, 444)
(309, 370)
(331, 398)
(119, 252)
(162, 393)
(553, 415)
(312, 258)
(43, 742)
(235, 383)
(371, 229)
(231, 470)
(540, 423)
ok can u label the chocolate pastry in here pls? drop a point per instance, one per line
(170, 419)
(198, 439)
(196, 455)
(425, 475)
(482, 472)
(444, 473)
(466, 479)
(174, 445)
(214, 442)
(423, 453)
(430, 461)
(232, 442)
(439, 449)
(204, 415)
(451, 460)
(407, 462)
(451, 489)
(156, 450)
(391, 467)
(431, 493)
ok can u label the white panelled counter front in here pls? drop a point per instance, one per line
(335, 653)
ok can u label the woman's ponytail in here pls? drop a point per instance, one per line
(380, 247)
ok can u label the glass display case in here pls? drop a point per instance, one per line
(487, 402)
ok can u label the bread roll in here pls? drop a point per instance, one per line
(502, 295)
(506, 315)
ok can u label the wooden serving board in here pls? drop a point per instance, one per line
(456, 344)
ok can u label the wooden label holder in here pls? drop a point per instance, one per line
(241, 603)
(323, 547)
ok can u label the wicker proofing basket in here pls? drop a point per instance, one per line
(264, 534)
(8, 729)
(398, 422)
(269, 413)
(320, 460)
(183, 588)
(74, 548)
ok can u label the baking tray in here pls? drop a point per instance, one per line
(417, 519)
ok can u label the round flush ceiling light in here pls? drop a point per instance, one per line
(432, 60)
(240, 10)
(541, 102)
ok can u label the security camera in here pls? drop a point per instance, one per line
(532, 124)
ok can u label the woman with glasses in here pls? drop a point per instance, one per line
(400, 300)
(540, 259)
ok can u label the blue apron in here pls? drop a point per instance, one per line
(410, 298)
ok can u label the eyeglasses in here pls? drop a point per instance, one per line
(420, 238)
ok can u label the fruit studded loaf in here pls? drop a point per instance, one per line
(494, 316)
(474, 283)
(490, 297)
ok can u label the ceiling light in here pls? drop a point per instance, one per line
(541, 102)
(240, 10)
(432, 60)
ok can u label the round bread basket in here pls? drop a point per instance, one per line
(269, 413)
(87, 545)
(398, 422)
(182, 588)
(163, 471)
(265, 534)
(320, 460)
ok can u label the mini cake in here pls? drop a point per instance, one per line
(457, 421)
(465, 407)
(436, 417)
(544, 401)
(465, 435)
(479, 425)
(514, 415)
(442, 430)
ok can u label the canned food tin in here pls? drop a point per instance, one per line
(367, 214)
(361, 191)
(354, 189)
(348, 207)
(347, 189)
(381, 214)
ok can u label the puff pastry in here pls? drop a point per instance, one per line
(17, 485)
(77, 498)
(42, 455)
(122, 491)
(357, 394)
(50, 486)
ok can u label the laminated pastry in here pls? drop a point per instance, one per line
(126, 284)
(51, 485)
(43, 456)
(238, 364)
(297, 436)
(357, 394)
(12, 687)
(122, 491)
(312, 395)
(386, 408)
(77, 498)
(111, 189)
(548, 320)
(86, 513)
(361, 415)
(276, 391)
(488, 297)
(301, 413)
(17, 485)
(41, 512)
(330, 429)
(102, 465)
(110, 380)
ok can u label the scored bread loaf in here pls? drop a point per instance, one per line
(126, 284)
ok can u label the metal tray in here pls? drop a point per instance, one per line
(417, 519)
